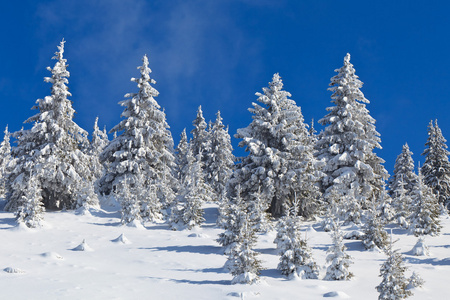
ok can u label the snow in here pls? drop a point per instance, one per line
(160, 263)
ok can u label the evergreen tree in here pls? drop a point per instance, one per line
(51, 150)
(424, 218)
(144, 145)
(394, 284)
(5, 159)
(375, 237)
(220, 161)
(436, 169)
(258, 208)
(201, 142)
(150, 206)
(130, 206)
(98, 143)
(279, 160)
(181, 157)
(348, 141)
(403, 171)
(243, 261)
(295, 254)
(193, 194)
(31, 210)
(402, 204)
(339, 259)
(228, 220)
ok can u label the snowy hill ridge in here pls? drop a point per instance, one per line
(158, 263)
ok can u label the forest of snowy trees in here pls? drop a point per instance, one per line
(290, 173)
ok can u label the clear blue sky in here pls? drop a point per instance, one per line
(219, 53)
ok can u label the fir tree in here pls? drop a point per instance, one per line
(403, 171)
(200, 142)
(228, 220)
(220, 161)
(394, 284)
(402, 204)
(295, 254)
(375, 237)
(348, 141)
(243, 261)
(98, 142)
(5, 159)
(31, 209)
(51, 150)
(424, 218)
(279, 160)
(181, 157)
(144, 146)
(339, 259)
(436, 169)
(130, 206)
(194, 193)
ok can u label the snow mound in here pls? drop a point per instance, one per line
(13, 270)
(53, 255)
(83, 247)
(337, 294)
(310, 229)
(135, 224)
(122, 239)
(21, 226)
(354, 235)
(83, 211)
(420, 249)
(198, 235)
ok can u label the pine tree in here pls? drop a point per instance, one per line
(51, 150)
(295, 254)
(200, 142)
(150, 206)
(394, 284)
(98, 143)
(194, 193)
(144, 145)
(220, 161)
(436, 169)
(339, 260)
(403, 171)
(31, 209)
(243, 261)
(348, 141)
(279, 160)
(402, 204)
(5, 159)
(228, 220)
(258, 210)
(424, 218)
(181, 157)
(130, 206)
(375, 237)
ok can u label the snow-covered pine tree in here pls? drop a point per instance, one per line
(258, 210)
(220, 160)
(338, 258)
(394, 283)
(403, 171)
(99, 141)
(51, 149)
(384, 207)
(243, 261)
(295, 254)
(125, 192)
(201, 141)
(144, 145)
(194, 192)
(375, 237)
(228, 214)
(348, 140)
(5, 159)
(149, 203)
(31, 209)
(436, 169)
(425, 210)
(279, 160)
(402, 204)
(181, 157)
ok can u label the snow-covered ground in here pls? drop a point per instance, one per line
(157, 263)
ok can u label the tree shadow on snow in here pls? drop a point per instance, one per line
(271, 251)
(428, 261)
(355, 246)
(210, 215)
(206, 270)
(202, 249)
(272, 273)
(4, 220)
(202, 282)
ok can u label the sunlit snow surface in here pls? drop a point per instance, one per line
(158, 263)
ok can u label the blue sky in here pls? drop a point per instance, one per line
(219, 53)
